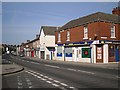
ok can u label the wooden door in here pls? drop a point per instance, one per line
(99, 53)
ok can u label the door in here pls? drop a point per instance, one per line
(51, 55)
(112, 53)
(117, 53)
(75, 54)
(32, 53)
(99, 53)
(42, 55)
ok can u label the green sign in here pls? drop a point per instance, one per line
(86, 53)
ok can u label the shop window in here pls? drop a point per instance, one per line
(59, 51)
(68, 52)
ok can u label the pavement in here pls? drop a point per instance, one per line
(110, 65)
(6, 69)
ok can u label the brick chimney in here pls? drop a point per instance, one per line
(37, 36)
(116, 11)
(28, 41)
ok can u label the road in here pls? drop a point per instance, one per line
(60, 75)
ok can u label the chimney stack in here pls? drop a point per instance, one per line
(37, 36)
(116, 11)
(28, 41)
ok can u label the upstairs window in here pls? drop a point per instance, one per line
(112, 31)
(59, 37)
(68, 35)
(85, 32)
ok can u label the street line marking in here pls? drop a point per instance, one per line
(63, 84)
(34, 62)
(55, 85)
(71, 69)
(118, 77)
(85, 72)
(51, 66)
(43, 79)
(46, 76)
(53, 82)
(50, 78)
(48, 81)
(30, 87)
(56, 81)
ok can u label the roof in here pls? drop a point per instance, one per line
(49, 30)
(98, 16)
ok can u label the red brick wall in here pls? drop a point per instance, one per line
(56, 37)
(101, 29)
(106, 31)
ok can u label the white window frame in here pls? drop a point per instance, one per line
(59, 36)
(68, 35)
(112, 31)
(85, 32)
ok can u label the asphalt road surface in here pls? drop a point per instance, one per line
(63, 76)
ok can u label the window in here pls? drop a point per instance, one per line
(112, 31)
(85, 32)
(59, 37)
(68, 35)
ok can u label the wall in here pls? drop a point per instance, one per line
(50, 40)
(101, 29)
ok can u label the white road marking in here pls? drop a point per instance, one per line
(85, 72)
(50, 78)
(43, 79)
(51, 66)
(20, 84)
(46, 76)
(30, 87)
(34, 62)
(56, 81)
(117, 77)
(71, 69)
(53, 82)
(48, 81)
(55, 85)
(63, 84)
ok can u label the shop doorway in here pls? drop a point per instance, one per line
(112, 53)
(42, 55)
(99, 53)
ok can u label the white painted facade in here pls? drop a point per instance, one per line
(46, 41)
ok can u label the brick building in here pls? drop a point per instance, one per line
(93, 38)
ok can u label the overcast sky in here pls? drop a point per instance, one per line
(21, 21)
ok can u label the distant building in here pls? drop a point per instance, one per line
(47, 42)
(93, 38)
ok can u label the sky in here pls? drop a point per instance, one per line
(21, 21)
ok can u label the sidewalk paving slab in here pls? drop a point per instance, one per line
(10, 69)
